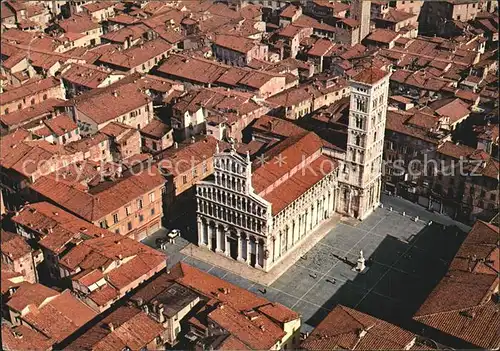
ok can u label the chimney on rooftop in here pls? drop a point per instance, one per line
(161, 317)
(176, 145)
(361, 333)
(111, 327)
(193, 139)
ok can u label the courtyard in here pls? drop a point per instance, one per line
(405, 260)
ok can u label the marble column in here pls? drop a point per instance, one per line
(287, 235)
(274, 248)
(218, 240)
(240, 248)
(265, 257)
(209, 233)
(227, 248)
(200, 233)
(280, 243)
(257, 254)
(248, 250)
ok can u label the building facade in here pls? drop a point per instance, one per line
(243, 215)
(361, 10)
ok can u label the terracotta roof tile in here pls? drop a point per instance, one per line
(235, 43)
(60, 124)
(234, 305)
(295, 150)
(156, 129)
(292, 188)
(348, 329)
(137, 55)
(188, 154)
(60, 317)
(78, 23)
(272, 125)
(461, 304)
(96, 204)
(108, 103)
(30, 294)
(370, 76)
(23, 337)
(31, 113)
(14, 245)
(29, 89)
(383, 35)
(131, 328)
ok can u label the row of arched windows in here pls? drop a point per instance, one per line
(227, 164)
(231, 216)
(230, 182)
(231, 200)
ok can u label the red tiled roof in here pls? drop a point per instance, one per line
(188, 155)
(321, 47)
(60, 124)
(232, 343)
(400, 122)
(137, 55)
(15, 156)
(235, 43)
(266, 330)
(383, 36)
(397, 16)
(30, 294)
(348, 329)
(30, 113)
(294, 150)
(195, 69)
(291, 189)
(99, 5)
(491, 169)
(455, 109)
(131, 328)
(467, 95)
(121, 35)
(23, 337)
(14, 245)
(456, 151)
(273, 125)
(461, 304)
(56, 226)
(370, 76)
(94, 205)
(156, 129)
(105, 104)
(291, 97)
(78, 24)
(10, 279)
(289, 11)
(30, 89)
(60, 317)
(89, 76)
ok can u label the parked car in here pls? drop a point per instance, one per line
(160, 241)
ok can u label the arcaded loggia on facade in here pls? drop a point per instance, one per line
(259, 223)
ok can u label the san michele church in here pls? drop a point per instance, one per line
(257, 211)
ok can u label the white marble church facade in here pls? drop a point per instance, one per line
(235, 221)
(258, 222)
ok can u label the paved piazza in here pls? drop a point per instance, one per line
(405, 260)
